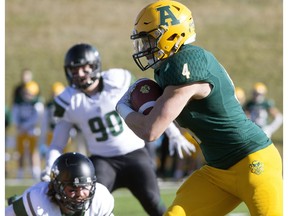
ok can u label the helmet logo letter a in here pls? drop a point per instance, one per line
(168, 15)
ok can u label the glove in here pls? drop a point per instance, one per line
(274, 125)
(123, 107)
(180, 143)
(45, 175)
(52, 155)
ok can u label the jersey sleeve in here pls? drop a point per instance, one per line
(34, 201)
(103, 201)
(9, 211)
(59, 110)
(59, 142)
(62, 102)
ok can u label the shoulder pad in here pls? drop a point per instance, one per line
(19, 208)
(117, 78)
(188, 66)
(63, 100)
(59, 111)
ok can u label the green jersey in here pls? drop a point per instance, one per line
(218, 122)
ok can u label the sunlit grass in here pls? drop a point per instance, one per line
(125, 203)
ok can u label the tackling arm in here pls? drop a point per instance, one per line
(59, 142)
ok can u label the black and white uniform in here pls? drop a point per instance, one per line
(119, 156)
(35, 201)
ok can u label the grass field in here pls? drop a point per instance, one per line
(125, 203)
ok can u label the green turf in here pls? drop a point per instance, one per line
(125, 203)
(124, 198)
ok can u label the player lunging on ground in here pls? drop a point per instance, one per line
(72, 191)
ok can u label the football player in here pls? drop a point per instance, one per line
(72, 191)
(26, 76)
(26, 115)
(119, 156)
(262, 110)
(243, 165)
(49, 120)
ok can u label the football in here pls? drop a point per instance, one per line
(144, 95)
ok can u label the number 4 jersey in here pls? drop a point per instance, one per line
(224, 132)
(105, 131)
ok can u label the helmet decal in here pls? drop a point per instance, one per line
(160, 29)
(256, 167)
(166, 13)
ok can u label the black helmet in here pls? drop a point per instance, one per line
(73, 169)
(79, 55)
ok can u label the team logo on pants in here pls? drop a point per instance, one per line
(256, 167)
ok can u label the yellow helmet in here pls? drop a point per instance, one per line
(57, 88)
(32, 88)
(160, 29)
(260, 88)
(240, 94)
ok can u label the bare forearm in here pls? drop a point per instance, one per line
(136, 121)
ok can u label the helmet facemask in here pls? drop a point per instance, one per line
(78, 56)
(72, 204)
(70, 173)
(170, 24)
(77, 81)
(147, 54)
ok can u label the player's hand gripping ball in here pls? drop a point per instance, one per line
(144, 95)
